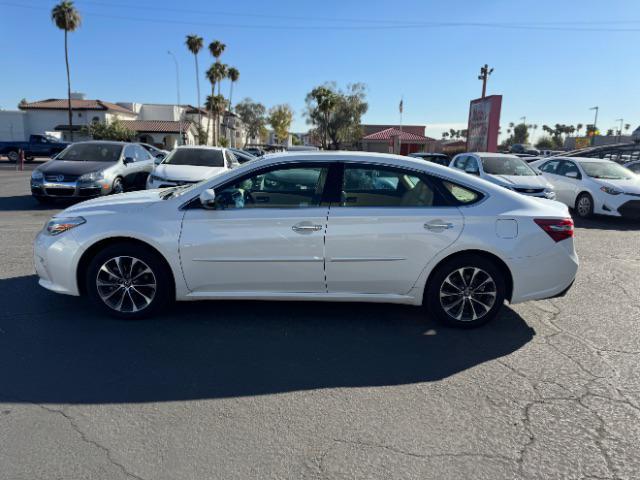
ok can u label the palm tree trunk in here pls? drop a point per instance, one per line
(198, 105)
(66, 59)
(230, 96)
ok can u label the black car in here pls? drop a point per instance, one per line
(439, 158)
(524, 148)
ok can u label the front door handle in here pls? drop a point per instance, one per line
(306, 227)
(438, 226)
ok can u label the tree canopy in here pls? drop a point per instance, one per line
(280, 118)
(253, 116)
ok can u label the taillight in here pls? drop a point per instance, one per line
(558, 229)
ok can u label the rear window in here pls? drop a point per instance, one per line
(198, 157)
(463, 195)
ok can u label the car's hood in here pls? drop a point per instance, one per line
(73, 167)
(120, 202)
(186, 173)
(520, 181)
(631, 185)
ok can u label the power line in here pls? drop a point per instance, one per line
(403, 26)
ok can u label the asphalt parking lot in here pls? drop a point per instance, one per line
(253, 390)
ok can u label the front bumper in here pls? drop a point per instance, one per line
(55, 259)
(68, 189)
(156, 182)
(630, 209)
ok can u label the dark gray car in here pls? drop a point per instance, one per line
(90, 169)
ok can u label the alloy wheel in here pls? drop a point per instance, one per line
(584, 206)
(468, 294)
(126, 284)
(117, 186)
(13, 156)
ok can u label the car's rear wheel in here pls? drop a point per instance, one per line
(466, 291)
(128, 281)
(584, 205)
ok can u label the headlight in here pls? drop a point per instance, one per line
(611, 190)
(37, 175)
(91, 177)
(56, 226)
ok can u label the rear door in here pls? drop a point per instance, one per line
(388, 224)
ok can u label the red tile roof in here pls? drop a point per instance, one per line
(388, 133)
(156, 126)
(76, 104)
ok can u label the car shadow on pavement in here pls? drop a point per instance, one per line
(27, 202)
(58, 349)
(600, 222)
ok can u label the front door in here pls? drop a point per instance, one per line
(266, 234)
(388, 225)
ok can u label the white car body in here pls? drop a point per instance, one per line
(166, 174)
(532, 185)
(568, 189)
(323, 252)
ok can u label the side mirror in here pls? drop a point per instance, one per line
(127, 160)
(208, 199)
(572, 174)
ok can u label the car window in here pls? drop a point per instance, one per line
(364, 186)
(472, 166)
(462, 194)
(460, 162)
(512, 166)
(142, 154)
(232, 160)
(91, 152)
(634, 167)
(291, 187)
(130, 151)
(550, 167)
(606, 170)
(566, 167)
(200, 157)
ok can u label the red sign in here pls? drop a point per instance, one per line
(484, 123)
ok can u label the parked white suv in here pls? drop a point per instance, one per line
(508, 171)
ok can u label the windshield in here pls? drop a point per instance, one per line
(91, 152)
(606, 170)
(199, 157)
(507, 166)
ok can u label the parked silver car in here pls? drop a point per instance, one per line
(91, 169)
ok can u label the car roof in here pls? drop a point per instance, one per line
(433, 154)
(200, 147)
(109, 142)
(491, 154)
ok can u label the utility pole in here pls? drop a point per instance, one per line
(180, 142)
(484, 76)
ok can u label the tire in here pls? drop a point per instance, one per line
(13, 156)
(118, 186)
(123, 288)
(454, 284)
(584, 205)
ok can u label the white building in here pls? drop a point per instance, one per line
(157, 124)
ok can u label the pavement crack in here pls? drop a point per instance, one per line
(89, 441)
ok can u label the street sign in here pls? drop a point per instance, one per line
(484, 123)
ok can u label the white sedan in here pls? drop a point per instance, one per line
(593, 185)
(190, 164)
(315, 226)
(508, 171)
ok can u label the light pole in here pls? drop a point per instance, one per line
(175, 61)
(621, 120)
(595, 124)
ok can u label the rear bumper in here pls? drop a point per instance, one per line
(546, 275)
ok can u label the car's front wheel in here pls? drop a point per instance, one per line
(584, 205)
(128, 281)
(466, 291)
(118, 186)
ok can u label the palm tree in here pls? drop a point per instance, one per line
(216, 104)
(627, 126)
(233, 74)
(217, 49)
(578, 128)
(194, 44)
(67, 18)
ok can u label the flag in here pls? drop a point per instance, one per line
(400, 106)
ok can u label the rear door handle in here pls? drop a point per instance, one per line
(306, 227)
(438, 226)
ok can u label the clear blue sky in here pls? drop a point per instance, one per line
(561, 59)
